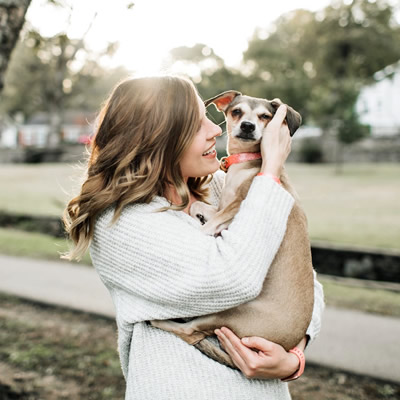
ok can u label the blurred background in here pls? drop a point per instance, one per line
(336, 62)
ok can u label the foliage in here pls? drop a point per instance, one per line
(12, 17)
(42, 74)
(315, 61)
(53, 73)
(310, 151)
(319, 61)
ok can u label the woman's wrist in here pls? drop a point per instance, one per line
(291, 366)
(301, 361)
(272, 169)
(272, 176)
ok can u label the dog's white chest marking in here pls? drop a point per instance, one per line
(235, 176)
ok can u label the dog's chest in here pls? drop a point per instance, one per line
(236, 175)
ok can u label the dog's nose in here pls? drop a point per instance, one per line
(247, 127)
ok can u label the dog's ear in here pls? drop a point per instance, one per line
(222, 100)
(293, 118)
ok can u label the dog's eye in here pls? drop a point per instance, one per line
(265, 116)
(236, 112)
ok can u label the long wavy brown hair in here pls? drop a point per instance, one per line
(142, 133)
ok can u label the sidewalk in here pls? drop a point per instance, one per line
(351, 340)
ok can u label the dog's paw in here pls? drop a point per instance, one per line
(221, 228)
(208, 229)
(197, 210)
(201, 218)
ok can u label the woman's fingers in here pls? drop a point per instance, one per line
(244, 358)
(258, 343)
(278, 118)
(230, 349)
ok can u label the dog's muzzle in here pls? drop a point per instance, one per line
(247, 130)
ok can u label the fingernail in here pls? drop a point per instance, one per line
(245, 340)
(217, 332)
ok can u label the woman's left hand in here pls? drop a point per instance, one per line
(256, 357)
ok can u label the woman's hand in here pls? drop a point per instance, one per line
(258, 358)
(275, 143)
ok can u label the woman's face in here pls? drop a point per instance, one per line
(200, 159)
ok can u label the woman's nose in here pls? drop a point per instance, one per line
(216, 131)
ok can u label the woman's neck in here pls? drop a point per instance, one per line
(173, 197)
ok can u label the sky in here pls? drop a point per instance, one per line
(151, 28)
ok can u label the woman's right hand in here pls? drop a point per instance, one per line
(275, 143)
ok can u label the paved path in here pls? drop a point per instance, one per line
(350, 340)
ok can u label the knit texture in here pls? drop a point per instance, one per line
(159, 265)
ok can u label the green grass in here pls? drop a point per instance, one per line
(40, 189)
(358, 207)
(378, 301)
(28, 244)
(31, 244)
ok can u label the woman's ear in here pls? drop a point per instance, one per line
(222, 100)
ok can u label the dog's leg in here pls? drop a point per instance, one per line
(190, 334)
(222, 219)
(202, 211)
(184, 330)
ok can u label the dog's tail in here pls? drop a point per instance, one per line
(216, 353)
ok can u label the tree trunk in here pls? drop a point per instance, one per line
(12, 17)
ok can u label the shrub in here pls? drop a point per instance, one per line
(310, 152)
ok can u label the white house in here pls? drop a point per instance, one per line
(77, 128)
(378, 104)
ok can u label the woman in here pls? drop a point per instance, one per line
(150, 161)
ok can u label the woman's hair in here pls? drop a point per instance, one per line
(142, 133)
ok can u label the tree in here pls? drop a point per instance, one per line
(52, 70)
(207, 70)
(12, 17)
(319, 61)
(35, 81)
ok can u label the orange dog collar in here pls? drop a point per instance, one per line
(226, 162)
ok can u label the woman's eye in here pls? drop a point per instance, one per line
(236, 112)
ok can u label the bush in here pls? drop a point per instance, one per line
(310, 152)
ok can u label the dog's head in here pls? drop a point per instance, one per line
(247, 117)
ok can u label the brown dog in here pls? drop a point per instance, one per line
(282, 311)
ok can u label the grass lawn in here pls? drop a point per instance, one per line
(30, 244)
(379, 301)
(358, 207)
(40, 189)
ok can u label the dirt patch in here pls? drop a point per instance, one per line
(51, 353)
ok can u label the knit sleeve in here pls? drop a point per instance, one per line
(319, 305)
(171, 269)
(216, 186)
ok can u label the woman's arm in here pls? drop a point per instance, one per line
(319, 305)
(171, 269)
(160, 265)
(259, 358)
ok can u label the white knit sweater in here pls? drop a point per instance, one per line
(159, 265)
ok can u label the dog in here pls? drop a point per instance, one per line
(282, 311)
